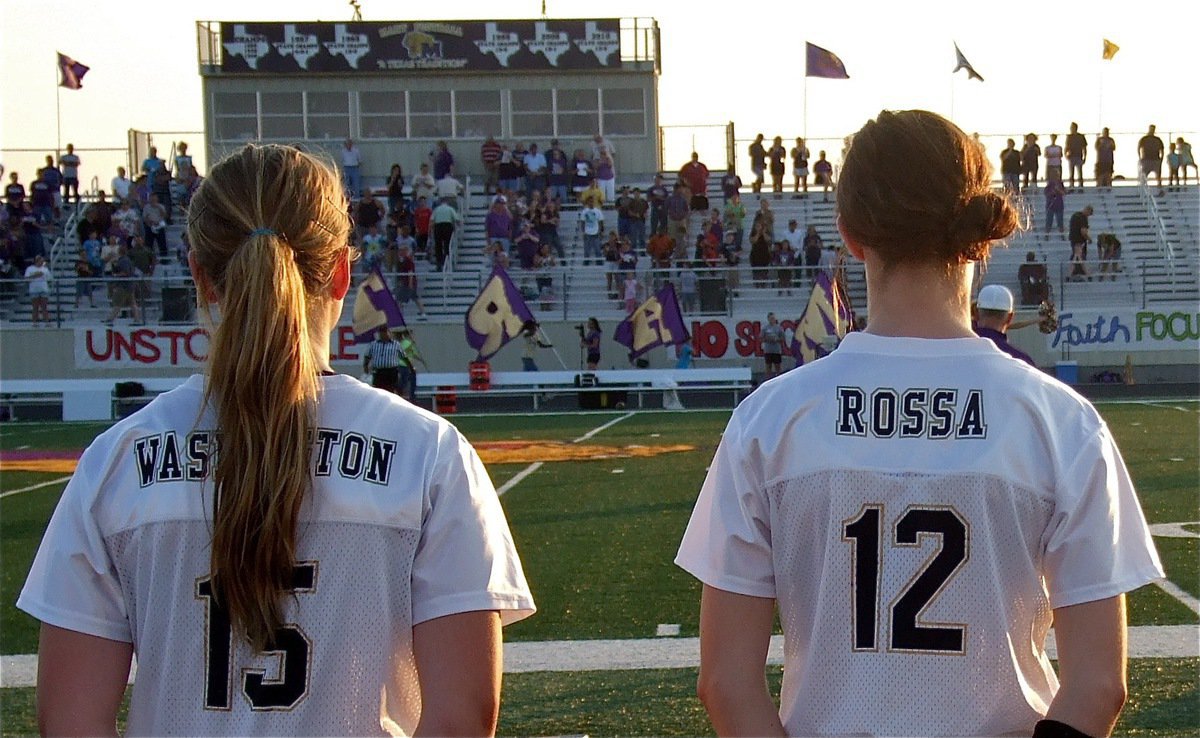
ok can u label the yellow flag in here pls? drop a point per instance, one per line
(1110, 49)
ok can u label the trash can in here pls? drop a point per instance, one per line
(712, 293)
(445, 400)
(1067, 371)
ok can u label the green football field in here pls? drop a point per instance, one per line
(597, 537)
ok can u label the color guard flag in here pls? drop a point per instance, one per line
(656, 322)
(72, 72)
(375, 308)
(497, 315)
(827, 319)
(823, 63)
(962, 63)
(1110, 49)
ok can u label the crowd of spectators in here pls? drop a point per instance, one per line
(122, 238)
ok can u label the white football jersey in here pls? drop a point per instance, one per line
(917, 508)
(403, 525)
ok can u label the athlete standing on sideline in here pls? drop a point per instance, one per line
(919, 504)
(286, 550)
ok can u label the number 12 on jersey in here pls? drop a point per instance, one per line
(865, 535)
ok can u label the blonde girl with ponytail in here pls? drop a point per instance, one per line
(286, 550)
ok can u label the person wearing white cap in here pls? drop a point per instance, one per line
(995, 308)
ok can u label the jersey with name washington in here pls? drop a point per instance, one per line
(917, 508)
(403, 525)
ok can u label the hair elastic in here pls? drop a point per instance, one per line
(262, 232)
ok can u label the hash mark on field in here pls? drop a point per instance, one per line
(32, 487)
(519, 476)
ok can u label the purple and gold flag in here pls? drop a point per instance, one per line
(823, 63)
(656, 322)
(375, 308)
(497, 315)
(827, 316)
(72, 72)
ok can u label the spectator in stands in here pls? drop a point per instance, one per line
(687, 286)
(582, 173)
(128, 220)
(489, 156)
(406, 277)
(121, 186)
(678, 210)
(151, 164)
(54, 178)
(444, 220)
(1076, 151)
(770, 340)
(14, 195)
(1105, 149)
(631, 291)
(395, 188)
(557, 172)
(1035, 285)
(716, 226)
(41, 197)
(695, 175)
(1172, 168)
(731, 183)
(442, 160)
(368, 212)
(591, 223)
(731, 258)
(1030, 154)
(622, 207)
(733, 218)
(1186, 159)
(606, 176)
(1080, 236)
(758, 163)
(601, 145)
(154, 220)
(784, 261)
(1010, 168)
(183, 162)
(777, 154)
(994, 317)
(767, 216)
(1150, 156)
(449, 188)
(83, 278)
(1110, 255)
(351, 159)
(38, 275)
(373, 248)
(100, 212)
(657, 196)
(161, 187)
(1054, 192)
(69, 163)
(508, 171)
(518, 156)
(823, 175)
(636, 213)
(593, 195)
(800, 157)
(545, 262)
(144, 264)
(1054, 159)
(527, 244)
(424, 185)
(122, 288)
(761, 244)
(547, 222)
(660, 249)
(611, 251)
(535, 170)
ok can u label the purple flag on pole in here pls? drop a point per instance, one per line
(497, 316)
(826, 320)
(374, 308)
(656, 322)
(824, 63)
(72, 72)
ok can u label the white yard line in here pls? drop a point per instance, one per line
(1145, 641)
(519, 476)
(32, 487)
(1184, 598)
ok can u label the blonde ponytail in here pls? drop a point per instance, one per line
(266, 228)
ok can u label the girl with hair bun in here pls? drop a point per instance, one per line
(287, 550)
(918, 505)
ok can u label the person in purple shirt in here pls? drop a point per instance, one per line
(442, 159)
(498, 223)
(527, 245)
(995, 318)
(557, 171)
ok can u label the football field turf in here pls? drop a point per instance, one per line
(597, 533)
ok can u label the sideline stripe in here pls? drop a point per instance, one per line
(520, 476)
(1145, 641)
(1184, 598)
(32, 487)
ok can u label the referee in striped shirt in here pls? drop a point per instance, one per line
(383, 361)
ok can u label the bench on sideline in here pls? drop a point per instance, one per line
(82, 399)
(736, 380)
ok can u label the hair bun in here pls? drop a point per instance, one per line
(986, 216)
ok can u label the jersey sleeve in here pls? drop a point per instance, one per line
(73, 582)
(727, 544)
(1097, 544)
(466, 560)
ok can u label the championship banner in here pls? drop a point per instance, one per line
(656, 322)
(497, 316)
(360, 46)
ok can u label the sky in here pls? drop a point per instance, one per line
(1041, 62)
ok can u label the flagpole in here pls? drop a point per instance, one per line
(804, 122)
(57, 111)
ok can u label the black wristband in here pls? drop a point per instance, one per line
(1056, 729)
